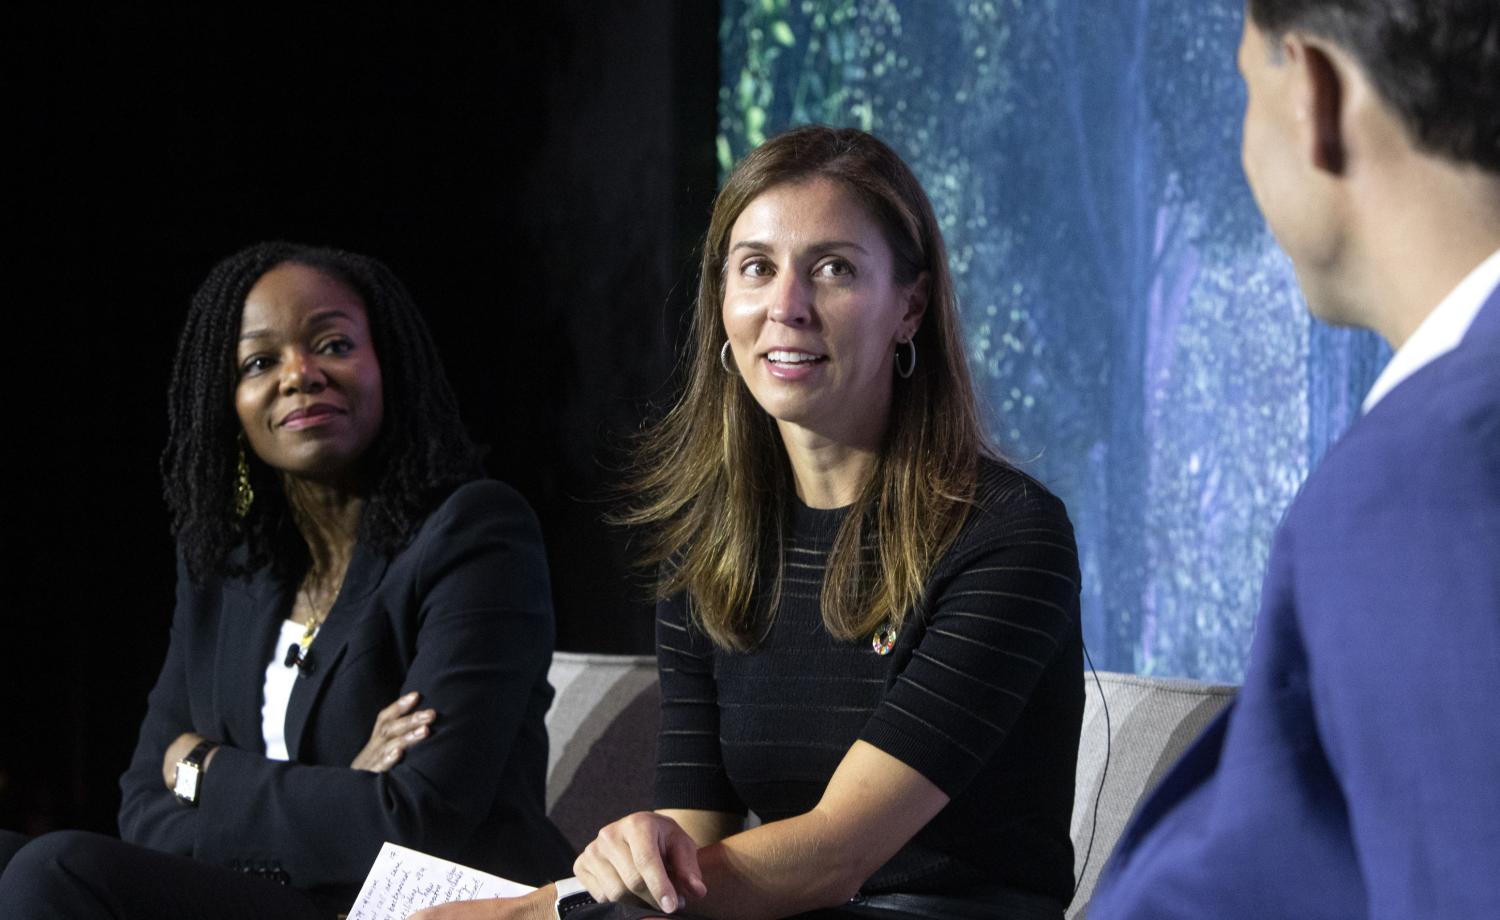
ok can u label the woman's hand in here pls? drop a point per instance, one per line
(537, 905)
(177, 750)
(645, 855)
(396, 729)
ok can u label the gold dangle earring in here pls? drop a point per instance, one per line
(244, 495)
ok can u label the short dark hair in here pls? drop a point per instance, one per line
(1436, 62)
(421, 453)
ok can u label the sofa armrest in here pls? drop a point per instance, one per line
(601, 731)
(1151, 722)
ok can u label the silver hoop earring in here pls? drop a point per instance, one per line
(724, 360)
(910, 368)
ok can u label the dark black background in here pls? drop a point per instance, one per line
(539, 180)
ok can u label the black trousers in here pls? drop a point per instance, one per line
(77, 874)
(991, 904)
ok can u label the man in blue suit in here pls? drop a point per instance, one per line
(1358, 774)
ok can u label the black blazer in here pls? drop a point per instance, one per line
(463, 615)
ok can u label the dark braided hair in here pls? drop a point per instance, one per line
(421, 453)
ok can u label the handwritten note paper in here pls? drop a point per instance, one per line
(402, 882)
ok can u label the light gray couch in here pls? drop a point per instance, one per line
(603, 723)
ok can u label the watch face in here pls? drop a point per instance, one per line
(187, 781)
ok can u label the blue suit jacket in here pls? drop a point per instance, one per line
(462, 614)
(1358, 773)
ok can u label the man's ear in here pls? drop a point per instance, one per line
(1322, 101)
(916, 303)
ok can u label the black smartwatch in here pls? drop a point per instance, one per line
(571, 895)
(189, 781)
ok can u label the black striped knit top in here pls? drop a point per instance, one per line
(982, 694)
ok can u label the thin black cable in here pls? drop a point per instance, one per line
(1104, 774)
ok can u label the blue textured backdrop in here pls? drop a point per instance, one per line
(1137, 336)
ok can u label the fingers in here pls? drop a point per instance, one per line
(630, 858)
(652, 872)
(402, 734)
(409, 727)
(397, 728)
(402, 706)
(584, 871)
(682, 857)
(596, 869)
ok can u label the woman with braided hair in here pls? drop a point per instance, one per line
(363, 626)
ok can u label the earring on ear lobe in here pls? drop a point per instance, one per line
(724, 360)
(244, 495)
(910, 368)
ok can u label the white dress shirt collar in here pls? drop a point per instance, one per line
(1441, 331)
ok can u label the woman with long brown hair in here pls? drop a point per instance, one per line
(868, 629)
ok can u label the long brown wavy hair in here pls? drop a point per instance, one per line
(712, 480)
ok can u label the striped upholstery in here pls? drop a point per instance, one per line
(1151, 722)
(602, 733)
(603, 723)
